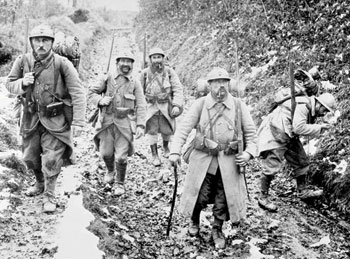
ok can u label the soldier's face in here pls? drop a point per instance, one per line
(320, 110)
(219, 89)
(125, 65)
(157, 61)
(42, 45)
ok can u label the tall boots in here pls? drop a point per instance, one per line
(49, 201)
(264, 199)
(193, 229)
(119, 188)
(39, 186)
(109, 176)
(304, 192)
(217, 234)
(155, 157)
(166, 150)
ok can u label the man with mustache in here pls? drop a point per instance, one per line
(121, 96)
(213, 176)
(53, 107)
(164, 96)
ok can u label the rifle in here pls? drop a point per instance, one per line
(241, 169)
(144, 50)
(26, 35)
(102, 111)
(173, 201)
(292, 88)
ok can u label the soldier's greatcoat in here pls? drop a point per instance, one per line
(152, 82)
(68, 88)
(199, 162)
(127, 93)
(277, 128)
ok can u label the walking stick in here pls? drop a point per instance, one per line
(239, 124)
(173, 201)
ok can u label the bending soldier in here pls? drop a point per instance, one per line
(213, 176)
(278, 138)
(164, 96)
(53, 100)
(118, 95)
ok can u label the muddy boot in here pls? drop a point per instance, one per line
(119, 188)
(264, 199)
(109, 176)
(39, 186)
(305, 192)
(155, 157)
(49, 200)
(166, 150)
(217, 235)
(193, 229)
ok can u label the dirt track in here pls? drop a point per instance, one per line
(134, 225)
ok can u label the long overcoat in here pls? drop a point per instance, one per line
(68, 88)
(277, 128)
(151, 81)
(199, 161)
(127, 94)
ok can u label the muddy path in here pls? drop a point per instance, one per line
(134, 225)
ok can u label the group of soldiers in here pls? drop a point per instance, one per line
(54, 104)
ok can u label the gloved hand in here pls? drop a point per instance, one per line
(175, 159)
(175, 111)
(140, 131)
(105, 101)
(242, 159)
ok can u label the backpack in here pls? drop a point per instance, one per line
(69, 47)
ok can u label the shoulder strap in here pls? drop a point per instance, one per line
(57, 72)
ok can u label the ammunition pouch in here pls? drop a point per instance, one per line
(51, 110)
(204, 144)
(159, 98)
(54, 109)
(122, 112)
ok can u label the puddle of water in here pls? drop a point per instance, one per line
(73, 238)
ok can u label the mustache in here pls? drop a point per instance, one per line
(125, 66)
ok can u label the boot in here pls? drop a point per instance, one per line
(109, 176)
(49, 200)
(119, 188)
(166, 150)
(155, 157)
(193, 229)
(217, 235)
(305, 192)
(264, 199)
(39, 186)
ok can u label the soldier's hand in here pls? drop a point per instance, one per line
(175, 111)
(77, 130)
(242, 159)
(140, 131)
(175, 159)
(105, 101)
(28, 79)
(325, 127)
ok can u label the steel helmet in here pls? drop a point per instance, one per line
(328, 101)
(218, 73)
(156, 50)
(42, 30)
(125, 54)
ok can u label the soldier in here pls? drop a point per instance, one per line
(164, 96)
(53, 101)
(121, 96)
(278, 138)
(213, 176)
